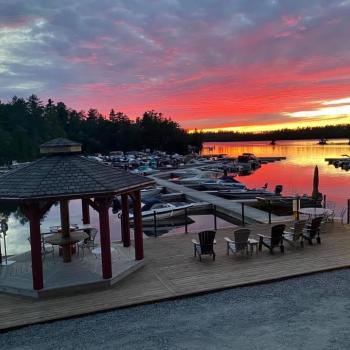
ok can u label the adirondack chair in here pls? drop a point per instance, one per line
(295, 233)
(274, 240)
(312, 231)
(240, 242)
(205, 245)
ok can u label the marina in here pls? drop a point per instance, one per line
(174, 175)
(174, 212)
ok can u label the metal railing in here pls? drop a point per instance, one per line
(155, 220)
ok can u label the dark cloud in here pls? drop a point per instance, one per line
(178, 55)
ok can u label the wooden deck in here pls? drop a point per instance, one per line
(171, 271)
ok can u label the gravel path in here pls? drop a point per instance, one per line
(303, 313)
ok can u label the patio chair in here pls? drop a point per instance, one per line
(46, 248)
(341, 216)
(332, 218)
(88, 243)
(240, 242)
(312, 231)
(274, 240)
(330, 205)
(205, 245)
(294, 234)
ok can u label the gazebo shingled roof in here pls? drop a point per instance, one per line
(66, 175)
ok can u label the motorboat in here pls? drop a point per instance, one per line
(286, 201)
(144, 170)
(197, 178)
(151, 191)
(249, 158)
(245, 193)
(161, 210)
(226, 182)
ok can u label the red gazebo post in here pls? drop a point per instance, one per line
(85, 211)
(125, 221)
(138, 235)
(34, 216)
(65, 226)
(103, 207)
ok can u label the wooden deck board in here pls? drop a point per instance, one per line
(172, 271)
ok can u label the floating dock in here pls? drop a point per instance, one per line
(332, 160)
(228, 208)
(265, 159)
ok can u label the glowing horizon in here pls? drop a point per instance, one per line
(219, 65)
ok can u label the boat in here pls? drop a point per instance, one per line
(151, 191)
(249, 158)
(162, 210)
(191, 178)
(322, 141)
(144, 170)
(221, 184)
(164, 226)
(286, 201)
(226, 182)
(245, 193)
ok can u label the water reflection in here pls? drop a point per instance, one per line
(296, 172)
(18, 233)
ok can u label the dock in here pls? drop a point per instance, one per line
(332, 160)
(265, 159)
(228, 208)
(170, 271)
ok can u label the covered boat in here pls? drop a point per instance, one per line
(162, 210)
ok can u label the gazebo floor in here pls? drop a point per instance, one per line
(171, 271)
(82, 273)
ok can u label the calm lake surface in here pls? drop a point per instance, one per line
(18, 233)
(296, 172)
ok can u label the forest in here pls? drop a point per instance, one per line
(27, 123)
(324, 132)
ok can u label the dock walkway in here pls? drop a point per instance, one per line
(224, 206)
(171, 271)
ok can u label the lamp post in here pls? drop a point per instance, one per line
(3, 229)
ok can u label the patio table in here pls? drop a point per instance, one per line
(74, 237)
(315, 212)
(253, 243)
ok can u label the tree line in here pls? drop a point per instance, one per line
(324, 132)
(27, 123)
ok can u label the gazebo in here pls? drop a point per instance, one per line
(63, 175)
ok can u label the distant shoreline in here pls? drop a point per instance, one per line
(315, 133)
(330, 141)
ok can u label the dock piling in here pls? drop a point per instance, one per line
(243, 221)
(215, 223)
(155, 223)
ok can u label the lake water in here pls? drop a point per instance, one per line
(296, 172)
(18, 233)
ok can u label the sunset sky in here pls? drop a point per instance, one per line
(244, 64)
